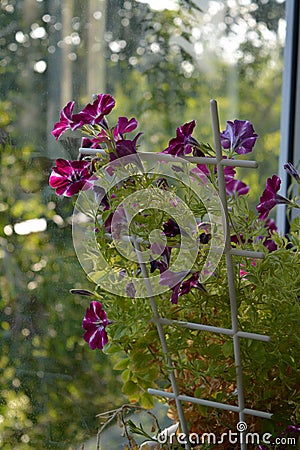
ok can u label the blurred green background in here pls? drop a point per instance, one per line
(162, 66)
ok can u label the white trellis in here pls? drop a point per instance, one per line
(229, 252)
(234, 331)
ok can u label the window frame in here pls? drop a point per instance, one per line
(290, 113)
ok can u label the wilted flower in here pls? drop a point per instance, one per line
(94, 322)
(239, 136)
(125, 147)
(191, 282)
(130, 290)
(70, 177)
(268, 242)
(292, 171)
(88, 143)
(82, 292)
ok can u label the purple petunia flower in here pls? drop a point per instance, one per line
(184, 143)
(191, 282)
(235, 186)
(93, 113)
(179, 287)
(171, 228)
(124, 126)
(125, 147)
(270, 198)
(66, 121)
(232, 184)
(161, 264)
(94, 322)
(293, 429)
(239, 136)
(268, 242)
(70, 177)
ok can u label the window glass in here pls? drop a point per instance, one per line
(162, 61)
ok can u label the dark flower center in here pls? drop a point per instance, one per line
(75, 176)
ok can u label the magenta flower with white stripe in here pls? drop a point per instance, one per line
(95, 322)
(70, 177)
(93, 113)
(65, 121)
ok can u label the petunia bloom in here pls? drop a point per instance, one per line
(95, 322)
(93, 113)
(125, 147)
(66, 121)
(292, 429)
(70, 177)
(191, 282)
(239, 136)
(124, 126)
(179, 287)
(233, 185)
(268, 242)
(171, 228)
(184, 143)
(270, 198)
(163, 262)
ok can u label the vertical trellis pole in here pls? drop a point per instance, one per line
(163, 342)
(229, 263)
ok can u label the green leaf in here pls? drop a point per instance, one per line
(126, 375)
(130, 388)
(146, 400)
(227, 349)
(122, 364)
(111, 348)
